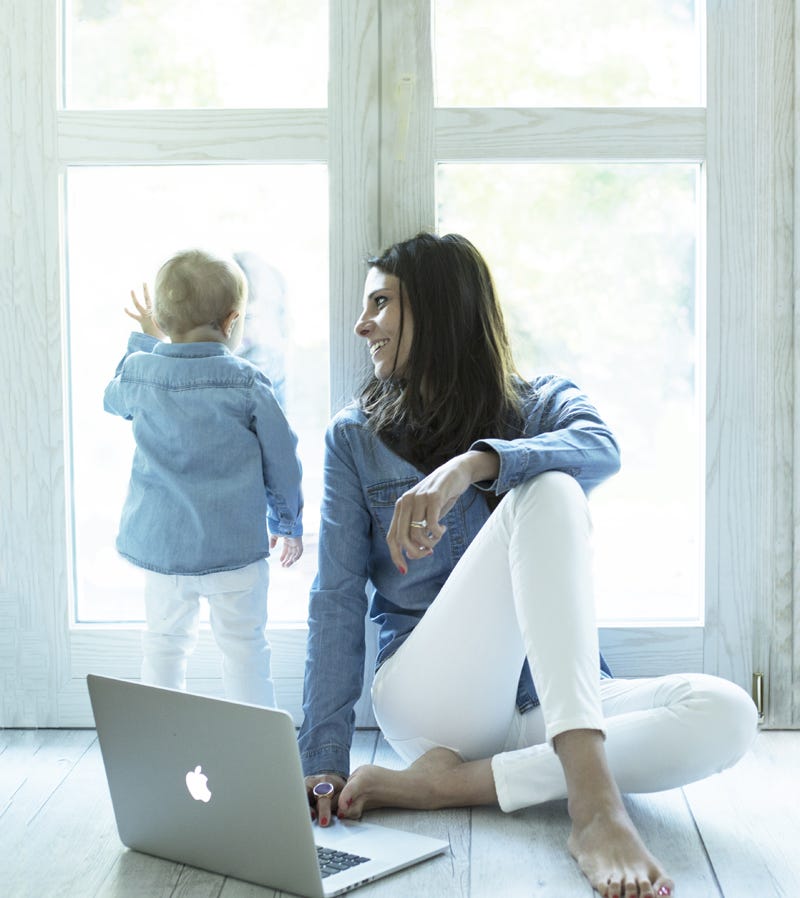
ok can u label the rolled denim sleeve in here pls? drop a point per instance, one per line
(334, 669)
(563, 432)
(114, 396)
(280, 463)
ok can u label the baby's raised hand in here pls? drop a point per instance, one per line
(144, 315)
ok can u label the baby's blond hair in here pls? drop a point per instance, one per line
(194, 288)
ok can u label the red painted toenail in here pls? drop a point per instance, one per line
(324, 821)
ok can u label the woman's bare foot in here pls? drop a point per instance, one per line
(613, 857)
(604, 840)
(438, 779)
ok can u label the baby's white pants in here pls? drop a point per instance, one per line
(237, 602)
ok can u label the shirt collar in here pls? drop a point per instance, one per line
(191, 350)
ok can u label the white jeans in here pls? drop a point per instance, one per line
(524, 588)
(237, 602)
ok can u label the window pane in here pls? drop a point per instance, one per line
(136, 54)
(122, 223)
(570, 53)
(596, 268)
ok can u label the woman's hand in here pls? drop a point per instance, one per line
(415, 529)
(323, 806)
(144, 315)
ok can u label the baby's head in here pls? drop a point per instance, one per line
(197, 293)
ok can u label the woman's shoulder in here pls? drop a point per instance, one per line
(351, 414)
(347, 424)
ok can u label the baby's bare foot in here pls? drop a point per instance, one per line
(614, 859)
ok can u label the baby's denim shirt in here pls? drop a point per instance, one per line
(215, 458)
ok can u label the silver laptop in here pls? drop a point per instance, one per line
(218, 785)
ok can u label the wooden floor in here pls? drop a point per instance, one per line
(734, 835)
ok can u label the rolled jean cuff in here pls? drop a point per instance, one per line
(527, 776)
(557, 727)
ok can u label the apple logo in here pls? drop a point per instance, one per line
(196, 784)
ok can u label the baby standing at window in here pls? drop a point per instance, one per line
(215, 462)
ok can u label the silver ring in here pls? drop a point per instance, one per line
(323, 790)
(421, 524)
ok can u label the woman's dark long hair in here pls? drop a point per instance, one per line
(460, 383)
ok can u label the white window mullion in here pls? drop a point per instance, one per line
(354, 135)
(170, 136)
(407, 174)
(514, 135)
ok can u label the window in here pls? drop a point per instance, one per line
(122, 223)
(346, 107)
(145, 54)
(596, 265)
(575, 53)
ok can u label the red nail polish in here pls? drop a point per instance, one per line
(401, 569)
(324, 821)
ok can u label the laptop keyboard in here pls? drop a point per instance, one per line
(331, 861)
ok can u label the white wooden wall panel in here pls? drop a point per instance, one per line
(730, 399)
(750, 375)
(773, 633)
(33, 561)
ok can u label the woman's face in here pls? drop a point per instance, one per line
(379, 324)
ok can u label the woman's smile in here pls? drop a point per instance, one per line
(385, 323)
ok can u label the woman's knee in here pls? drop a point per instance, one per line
(726, 714)
(735, 714)
(551, 496)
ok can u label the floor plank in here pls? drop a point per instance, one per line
(34, 762)
(749, 821)
(522, 854)
(667, 827)
(69, 845)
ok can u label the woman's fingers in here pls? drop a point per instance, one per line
(405, 541)
(323, 791)
(324, 811)
(415, 529)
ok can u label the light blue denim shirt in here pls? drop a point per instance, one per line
(215, 458)
(363, 479)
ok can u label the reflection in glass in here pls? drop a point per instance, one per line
(596, 268)
(570, 53)
(123, 222)
(139, 54)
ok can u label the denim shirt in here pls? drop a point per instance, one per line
(363, 478)
(215, 458)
